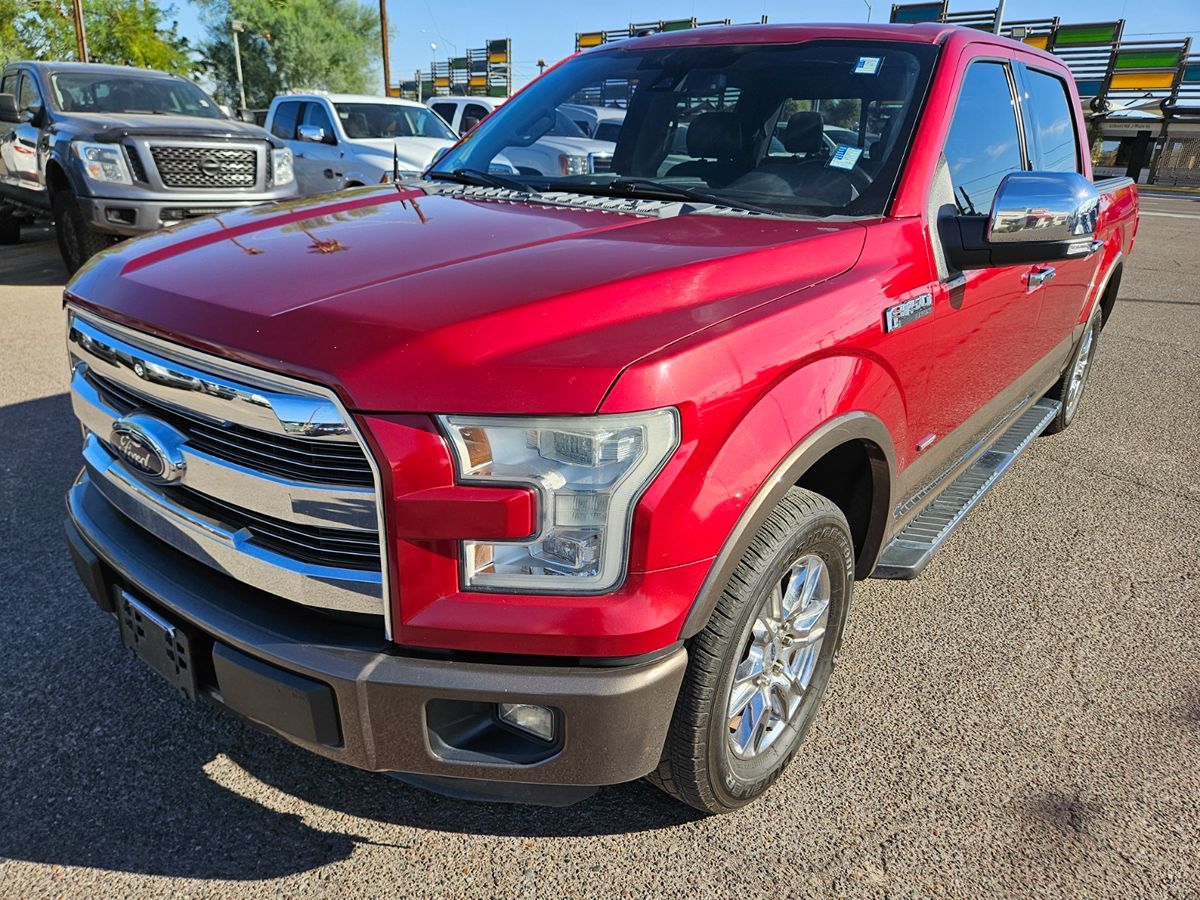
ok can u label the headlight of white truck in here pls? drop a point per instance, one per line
(103, 163)
(588, 473)
(282, 171)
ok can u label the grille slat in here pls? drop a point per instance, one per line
(206, 167)
(318, 462)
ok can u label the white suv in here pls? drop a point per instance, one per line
(344, 140)
(564, 149)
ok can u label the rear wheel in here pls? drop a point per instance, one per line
(10, 226)
(78, 239)
(1069, 390)
(760, 667)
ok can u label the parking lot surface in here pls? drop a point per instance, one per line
(1023, 719)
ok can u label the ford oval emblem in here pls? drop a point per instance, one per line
(149, 446)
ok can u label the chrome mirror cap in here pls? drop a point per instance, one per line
(1043, 207)
(314, 134)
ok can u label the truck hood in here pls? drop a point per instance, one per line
(406, 299)
(114, 126)
(418, 152)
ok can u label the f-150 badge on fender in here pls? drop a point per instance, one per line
(909, 311)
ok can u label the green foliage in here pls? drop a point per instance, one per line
(291, 44)
(120, 32)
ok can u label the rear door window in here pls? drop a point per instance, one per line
(1048, 121)
(284, 123)
(983, 144)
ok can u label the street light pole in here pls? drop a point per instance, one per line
(868, 10)
(387, 65)
(237, 27)
(999, 17)
(81, 48)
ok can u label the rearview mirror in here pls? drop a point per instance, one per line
(8, 109)
(1036, 217)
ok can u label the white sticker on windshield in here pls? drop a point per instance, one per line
(845, 157)
(867, 65)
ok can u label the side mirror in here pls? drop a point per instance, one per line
(314, 134)
(8, 109)
(1036, 217)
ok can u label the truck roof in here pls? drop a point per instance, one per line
(922, 33)
(346, 98)
(90, 68)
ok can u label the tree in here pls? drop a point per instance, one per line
(291, 44)
(120, 32)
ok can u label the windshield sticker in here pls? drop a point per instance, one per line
(845, 157)
(867, 65)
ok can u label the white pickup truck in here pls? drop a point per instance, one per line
(346, 140)
(562, 147)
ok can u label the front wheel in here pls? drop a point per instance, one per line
(759, 668)
(10, 226)
(78, 239)
(1069, 390)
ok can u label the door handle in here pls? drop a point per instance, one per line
(1036, 278)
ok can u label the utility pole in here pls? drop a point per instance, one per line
(387, 65)
(81, 48)
(541, 64)
(238, 27)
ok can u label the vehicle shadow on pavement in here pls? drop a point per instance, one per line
(103, 766)
(33, 262)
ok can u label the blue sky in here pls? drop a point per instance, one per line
(546, 30)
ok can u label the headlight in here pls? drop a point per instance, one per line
(588, 473)
(573, 165)
(281, 167)
(103, 162)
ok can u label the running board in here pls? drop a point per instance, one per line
(910, 550)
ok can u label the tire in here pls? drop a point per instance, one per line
(10, 226)
(1070, 387)
(78, 240)
(702, 765)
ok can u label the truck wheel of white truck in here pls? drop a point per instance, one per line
(758, 670)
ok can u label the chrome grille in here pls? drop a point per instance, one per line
(300, 458)
(268, 481)
(206, 167)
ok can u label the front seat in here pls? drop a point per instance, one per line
(715, 139)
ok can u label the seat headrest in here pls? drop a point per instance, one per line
(804, 132)
(715, 135)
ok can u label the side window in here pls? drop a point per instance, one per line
(477, 110)
(31, 97)
(1049, 121)
(983, 145)
(284, 123)
(315, 114)
(446, 111)
(8, 85)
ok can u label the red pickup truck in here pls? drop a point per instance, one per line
(518, 483)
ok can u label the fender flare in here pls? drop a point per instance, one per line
(845, 428)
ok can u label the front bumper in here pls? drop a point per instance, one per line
(131, 215)
(392, 712)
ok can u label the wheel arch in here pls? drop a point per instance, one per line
(856, 443)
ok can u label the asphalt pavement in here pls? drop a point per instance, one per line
(1022, 720)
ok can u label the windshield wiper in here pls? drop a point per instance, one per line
(650, 189)
(479, 178)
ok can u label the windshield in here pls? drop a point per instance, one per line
(370, 121)
(817, 128)
(83, 92)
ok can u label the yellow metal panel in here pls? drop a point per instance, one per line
(478, 81)
(590, 39)
(497, 57)
(393, 92)
(1038, 40)
(441, 81)
(1142, 81)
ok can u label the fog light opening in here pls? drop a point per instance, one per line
(536, 721)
